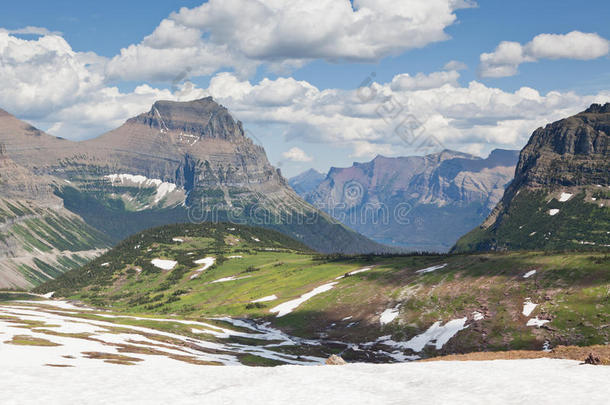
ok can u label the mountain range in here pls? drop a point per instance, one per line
(178, 162)
(415, 202)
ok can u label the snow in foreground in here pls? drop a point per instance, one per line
(529, 274)
(540, 381)
(528, 307)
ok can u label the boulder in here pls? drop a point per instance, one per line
(335, 360)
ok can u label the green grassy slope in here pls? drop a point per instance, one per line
(581, 223)
(571, 289)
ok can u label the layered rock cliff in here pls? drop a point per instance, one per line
(178, 162)
(559, 198)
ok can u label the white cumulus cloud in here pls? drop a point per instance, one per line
(297, 155)
(455, 65)
(282, 34)
(474, 118)
(506, 58)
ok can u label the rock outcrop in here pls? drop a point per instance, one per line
(561, 184)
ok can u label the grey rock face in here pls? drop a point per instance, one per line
(197, 146)
(559, 197)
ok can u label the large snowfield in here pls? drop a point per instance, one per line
(161, 381)
(29, 374)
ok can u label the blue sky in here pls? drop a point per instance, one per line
(319, 117)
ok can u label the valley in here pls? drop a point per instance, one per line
(397, 307)
(304, 202)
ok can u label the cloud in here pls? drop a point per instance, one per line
(422, 81)
(297, 155)
(373, 121)
(45, 81)
(241, 35)
(31, 30)
(39, 75)
(507, 56)
(455, 65)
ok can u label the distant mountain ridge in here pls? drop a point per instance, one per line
(417, 202)
(306, 182)
(560, 197)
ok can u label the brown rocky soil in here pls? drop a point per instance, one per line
(601, 352)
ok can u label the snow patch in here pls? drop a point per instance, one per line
(266, 299)
(529, 274)
(436, 335)
(477, 316)
(288, 307)
(164, 264)
(388, 315)
(351, 273)
(232, 278)
(207, 263)
(537, 322)
(565, 197)
(528, 307)
(431, 269)
(163, 188)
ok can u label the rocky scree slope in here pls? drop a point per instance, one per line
(39, 238)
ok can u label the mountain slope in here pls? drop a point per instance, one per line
(366, 308)
(39, 238)
(178, 162)
(560, 198)
(419, 202)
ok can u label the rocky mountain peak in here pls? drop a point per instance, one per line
(571, 151)
(559, 194)
(598, 109)
(197, 118)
